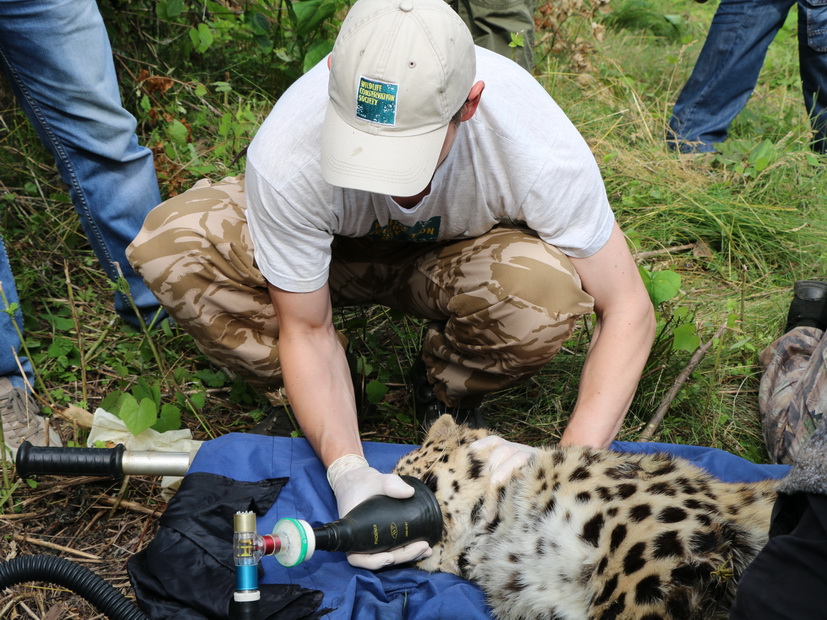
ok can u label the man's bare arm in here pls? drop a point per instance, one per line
(620, 344)
(316, 374)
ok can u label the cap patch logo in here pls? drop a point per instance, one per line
(376, 101)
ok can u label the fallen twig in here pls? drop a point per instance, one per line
(134, 506)
(677, 248)
(650, 429)
(51, 545)
(20, 515)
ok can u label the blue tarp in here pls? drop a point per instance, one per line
(394, 592)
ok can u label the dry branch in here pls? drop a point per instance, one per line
(638, 256)
(134, 506)
(51, 545)
(650, 429)
(20, 515)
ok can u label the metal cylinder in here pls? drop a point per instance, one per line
(157, 463)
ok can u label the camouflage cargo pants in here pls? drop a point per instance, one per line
(500, 305)
(793, 394)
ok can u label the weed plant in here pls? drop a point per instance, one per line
(735, 228)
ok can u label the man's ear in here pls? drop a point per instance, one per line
(472, 101)
(329, 58)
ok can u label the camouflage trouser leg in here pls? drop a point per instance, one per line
(195, 253)
(491, 23)
(793, 393)
(501, 305)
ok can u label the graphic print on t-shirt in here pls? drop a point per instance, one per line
(397, 231)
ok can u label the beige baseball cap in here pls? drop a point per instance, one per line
(400, 70)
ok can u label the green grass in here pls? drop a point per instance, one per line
(755, 213)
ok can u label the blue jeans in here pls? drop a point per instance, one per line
(9, 326)
(57, 58)
(727, 70)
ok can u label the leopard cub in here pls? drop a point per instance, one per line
(583, 533)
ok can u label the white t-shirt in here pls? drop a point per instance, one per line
(518, 160)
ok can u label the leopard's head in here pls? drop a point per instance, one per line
(458, 477)
(445, 452)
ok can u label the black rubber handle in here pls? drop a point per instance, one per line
(69, 461)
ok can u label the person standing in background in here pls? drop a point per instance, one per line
(57, 59)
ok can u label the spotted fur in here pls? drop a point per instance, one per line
(580, 533)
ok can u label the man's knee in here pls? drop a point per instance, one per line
(516, 271)
(196, 239)
(516, 297)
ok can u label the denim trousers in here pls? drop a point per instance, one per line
(727, 70)
(58, 61)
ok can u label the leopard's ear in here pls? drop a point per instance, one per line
(444, 426)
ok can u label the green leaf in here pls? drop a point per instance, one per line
(60, 346)
(111, 402)
(61, 324)
(138, 416)
(257, 23)
(264, 43)
(201, 38)
(198, 399)
(376, 391)
(661, 285)
(174, 7)
(144, 390)
(200, 90)
(11, 309)
(212, 378)
(517, 40)
(177, 132)
(685, 338)
(363, 366)
(317, 51)
(166, 9)
(169, 419)
(763, 155)
(225, 124)
(311, 13)
(206, 38)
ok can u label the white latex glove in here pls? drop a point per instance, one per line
(505, 458)
(353, 481)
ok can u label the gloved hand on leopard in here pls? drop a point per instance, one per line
(502, 460)
(505, 457)
(353, 481)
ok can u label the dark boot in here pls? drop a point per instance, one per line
(428, 407)
(809, 305)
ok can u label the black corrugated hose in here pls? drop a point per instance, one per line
(78, 579)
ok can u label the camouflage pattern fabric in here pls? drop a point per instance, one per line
(195, 253)
(792, 397)
(500, 305)
(491, 23)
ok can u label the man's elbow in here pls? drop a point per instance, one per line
(646, 321)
